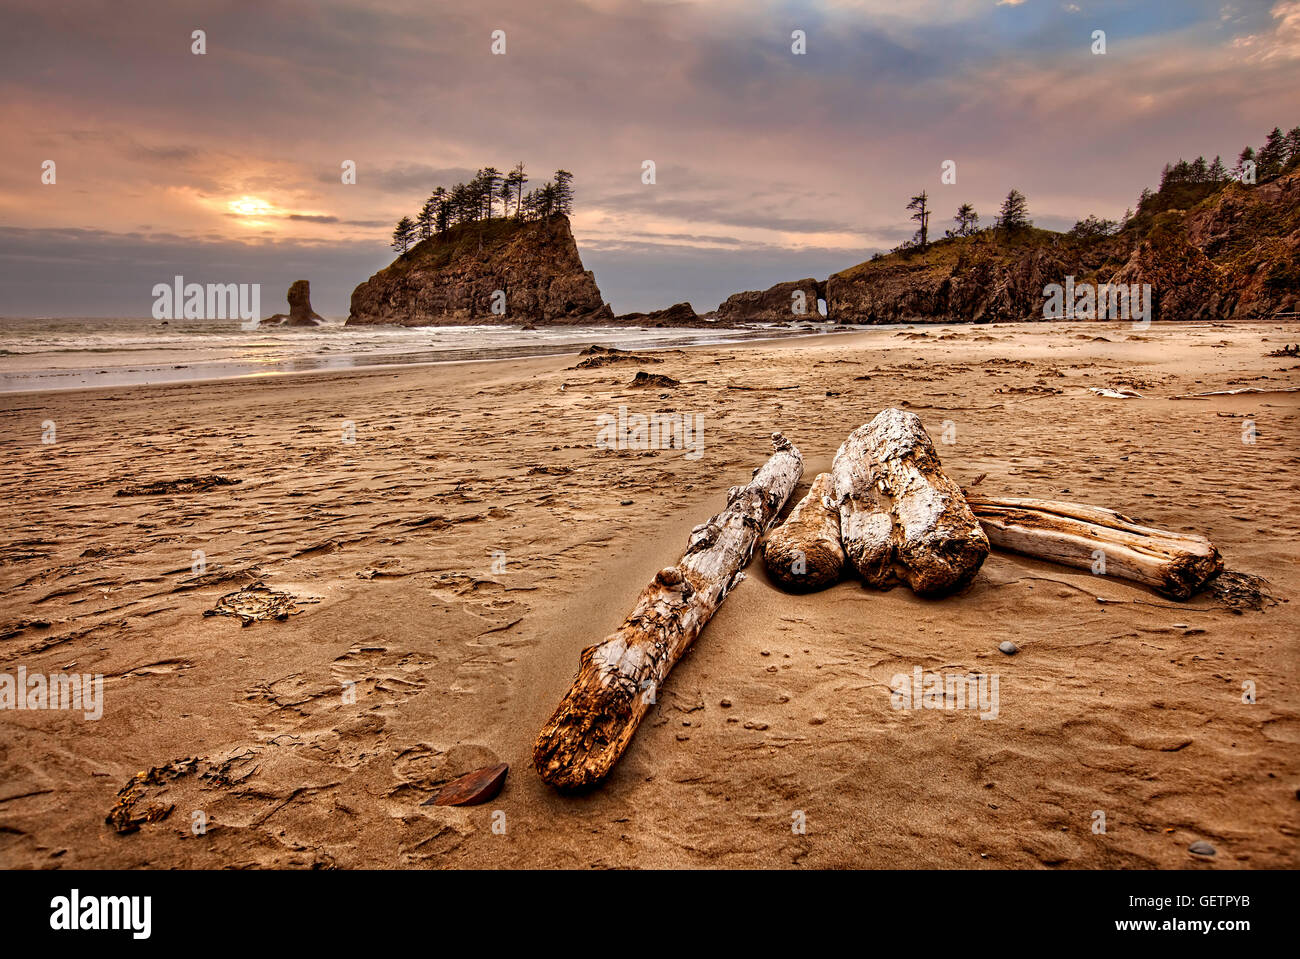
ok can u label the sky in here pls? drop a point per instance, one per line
(770, 165)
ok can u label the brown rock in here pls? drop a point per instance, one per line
(453, 279)
(595, 356)
(300, 311)
(778, 304)
(644, 379)
(679, 314)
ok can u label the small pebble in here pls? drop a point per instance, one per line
(1008, 647)
(1201, 848)
(725, 704)
(626, 502)
(817, 720)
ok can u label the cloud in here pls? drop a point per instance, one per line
(91, 272)
(756, 148)
(1282, 42)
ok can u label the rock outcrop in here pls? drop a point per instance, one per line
(492, 271)
(300, 311)
(1234, 255)
(782, 303)
(679, 314)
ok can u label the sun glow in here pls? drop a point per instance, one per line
(250, 206)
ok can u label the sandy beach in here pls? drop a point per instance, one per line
(446, 568)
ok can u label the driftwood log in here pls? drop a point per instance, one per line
(618, 679)
(901, 516)
(805, 553)
(1090, 537)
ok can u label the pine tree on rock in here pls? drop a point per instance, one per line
(425, 221)
(403, 235)
(920, 203)
(563, 188)
(1014, 215)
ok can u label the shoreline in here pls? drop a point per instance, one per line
(338, 363)
(359, 363)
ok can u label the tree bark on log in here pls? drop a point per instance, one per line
(901, 516)
(618, 679)
(804, 553)
(1177, 565)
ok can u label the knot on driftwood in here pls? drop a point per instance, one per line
(669, 576)
(702, 537)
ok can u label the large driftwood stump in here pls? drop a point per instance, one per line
(901, 516)
(804, 553)
(1089, 537)
(618, 679)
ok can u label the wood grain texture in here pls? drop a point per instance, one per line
(619, 678)
(901, 516)
(1177, 565)
(804, 553)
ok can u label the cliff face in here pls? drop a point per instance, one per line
(1235, 255)
(777, 304)
(453, 279)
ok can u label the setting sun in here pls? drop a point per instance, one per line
(250, 206)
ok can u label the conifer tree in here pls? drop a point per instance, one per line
(517, 178)
(403, 235)
(967, 221)
(920, 203)
(1014, 215)
(1272, 155)
(424, 222)
(563, 192)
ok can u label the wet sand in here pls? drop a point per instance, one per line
(447, 567)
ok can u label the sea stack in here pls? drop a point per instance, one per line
(783, 303)
(488, 271)
(300, 311)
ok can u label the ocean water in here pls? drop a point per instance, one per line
(41, 353)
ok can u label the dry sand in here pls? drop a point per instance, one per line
(1131, 706)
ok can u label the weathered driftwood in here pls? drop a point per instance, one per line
(805, 553)
(901, 516)
(619, 678)
(1090, 537)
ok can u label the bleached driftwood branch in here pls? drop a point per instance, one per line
(1175, 564)
(618, 679)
